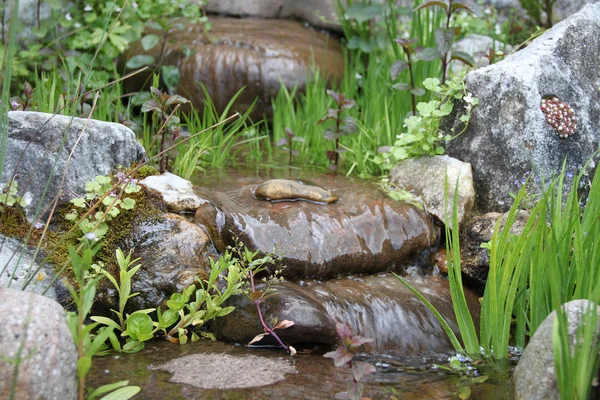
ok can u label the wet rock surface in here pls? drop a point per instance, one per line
(475, 260)
(222, 371)
(242, 53)
(363, 232)
(34, 330)
(379, 307)
(508, 134)
(37, 137)
(173, 252)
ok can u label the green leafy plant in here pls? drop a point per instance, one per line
(343, 126)
(286, 143)
(112, 202)
(256, 265)
(208, 303)
(165, 113)
(343, 356)
(8, 195)
(444, 36)
(576, 359)
(165, 20)
(137, 327)
(465, 369)
(88, 344)
(423, 135)
(185, 312)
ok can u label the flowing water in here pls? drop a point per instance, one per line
(407, 339)
(316, 377)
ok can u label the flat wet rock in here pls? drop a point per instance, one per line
(379, 307)
(362, 233)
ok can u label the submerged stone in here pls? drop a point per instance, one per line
(223, 371)
(291, 190)
(364, 232)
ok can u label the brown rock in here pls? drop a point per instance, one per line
(364, 232)
(475, 260)
(244, 53)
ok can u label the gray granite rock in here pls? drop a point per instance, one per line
(425, 176)
(508, 134)
(34, 331)
(36, 154)
(534, 377)
(17, 266)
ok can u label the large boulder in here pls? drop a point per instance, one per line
(37, 352)
(426, 177)
(64, 152)
(379, 307)
(534, 377)
(363, 232)
(241, 53)
(508, 134)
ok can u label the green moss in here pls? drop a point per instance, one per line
(145, 172)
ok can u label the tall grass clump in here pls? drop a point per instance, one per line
(554, 260)
(576, 354)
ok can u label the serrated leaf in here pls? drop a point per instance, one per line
(444, 39)
(464, 57)
(363, 12)
(428, 54)
(330, 134)
(396, 68)
(360, 369)
(418, 91)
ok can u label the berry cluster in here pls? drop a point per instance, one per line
(560, 116)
